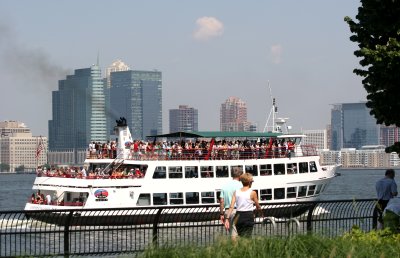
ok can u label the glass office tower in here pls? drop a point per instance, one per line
(352, 126)
(137, 96)
(78, 111)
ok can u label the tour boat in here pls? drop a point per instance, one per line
(186, 169)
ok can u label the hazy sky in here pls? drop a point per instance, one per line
(207, 51)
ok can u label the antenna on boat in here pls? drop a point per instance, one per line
(272, 112)
(277, 123)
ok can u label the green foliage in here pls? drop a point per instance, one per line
(378, 36)
(353, 244)
(20, 168)
(4, 167)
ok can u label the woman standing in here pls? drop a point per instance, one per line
(244, 200)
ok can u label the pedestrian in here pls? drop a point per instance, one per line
(244, 199)
(225, 199)
(386, 189)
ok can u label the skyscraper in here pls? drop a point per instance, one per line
(352, 126)
(389, 135)
(116, 66)
(233, 115)
(78, 111)
(137, 96)
(183, 119)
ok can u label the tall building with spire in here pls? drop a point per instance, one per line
(233, 115)
(78, 111)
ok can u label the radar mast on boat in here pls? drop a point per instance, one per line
(278, 124)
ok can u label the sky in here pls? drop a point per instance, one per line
(206, 50)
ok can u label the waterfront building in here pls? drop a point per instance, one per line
(318, 138)
(19, 148)
(183, 119)
(329, 157)
(137, 96)
(352, 126)
(372, 156)
(394, 160)
(233, 115)
(78, 112)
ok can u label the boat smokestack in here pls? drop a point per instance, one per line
(124, 138)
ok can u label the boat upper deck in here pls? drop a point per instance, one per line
(201, 150)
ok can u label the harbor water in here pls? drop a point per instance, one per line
(16, 189)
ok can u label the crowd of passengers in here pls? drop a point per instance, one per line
(39, 198)
(80, 172)
(199, 149)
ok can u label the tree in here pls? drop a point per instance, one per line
(20, 168)
(4, 167)
(378, 36)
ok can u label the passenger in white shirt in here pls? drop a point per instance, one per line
(244, 199)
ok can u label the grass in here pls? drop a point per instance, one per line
(354, 244)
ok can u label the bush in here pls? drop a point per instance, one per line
(353, 244)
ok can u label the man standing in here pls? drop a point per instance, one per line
(386, 189)
(227, 192)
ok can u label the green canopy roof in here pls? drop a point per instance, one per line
(216, 134)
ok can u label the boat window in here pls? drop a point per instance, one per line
(291, 168)
(144, 199)
(291, 192)
(323, 188)
(302, 191)
(191, 172)
(207, 171)
(160, 172)
(252, 169)
(265, 194)
(319, 187)
(192, 198)
(303, 167)
(176, 198)
(279, 193)
(207, 197)
(313, 166)
(159, 199)
(218, 195)
(311, 190)
(132, 194)
(257, 192)
(266, 170)
(222, 171)
(279, 169)
(237, 167)
(175, 172)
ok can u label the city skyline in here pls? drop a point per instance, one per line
(206, 51)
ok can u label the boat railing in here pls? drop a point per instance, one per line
(72, 175)
(58, 203)
(215, 154)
